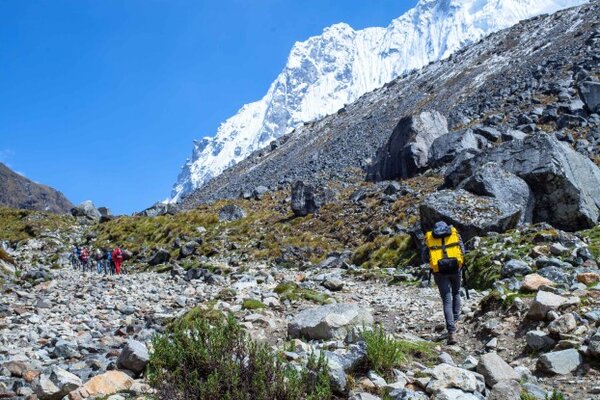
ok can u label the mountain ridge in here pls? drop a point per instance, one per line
(466, 87)
(20, 192)
(328, 71)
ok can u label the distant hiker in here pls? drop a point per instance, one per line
(444, 251)
(85, 258)
(75, 257)
(99, 257)
(109, 267)
(117, 256)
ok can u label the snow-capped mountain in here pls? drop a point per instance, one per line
(325, 72)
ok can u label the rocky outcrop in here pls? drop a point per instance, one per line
(472, 215)
(565, 184)
(87, 210)
(17, 191)
(492, 180)
(407, 151)
(446, 147)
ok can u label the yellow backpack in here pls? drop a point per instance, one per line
(445, 249)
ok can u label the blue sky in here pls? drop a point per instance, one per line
(101, 99)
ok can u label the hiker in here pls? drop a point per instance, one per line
(85, 258)
(75, 257)
(117, 256)
(444, 251)
(98, 256)
(109, 267)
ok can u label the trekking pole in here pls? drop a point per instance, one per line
(465, 283)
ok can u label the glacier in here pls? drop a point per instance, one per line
(327, 71)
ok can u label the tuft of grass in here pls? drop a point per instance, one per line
(18, 225)
(253, 304)
(4, 256)
(292, 292)
(593, 236)
(218, 360)
(384, 352)
(395, 251)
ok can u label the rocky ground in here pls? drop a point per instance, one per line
(64, 329)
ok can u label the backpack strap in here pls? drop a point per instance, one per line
(444, 248)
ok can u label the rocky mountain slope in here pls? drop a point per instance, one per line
(501, 82)
(326, 72)
(19, 192)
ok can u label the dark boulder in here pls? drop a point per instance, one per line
(472, 215)
(407, 151)
(446, 147)
(188, 249)
(161, 256)
(590, 94)
(259, 192)
(304, 199)
(231, 212)
(565, 184)
(492, 180)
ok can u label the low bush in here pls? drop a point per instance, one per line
(216, 360)
(384, 352)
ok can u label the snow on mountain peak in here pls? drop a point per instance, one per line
(325, 72)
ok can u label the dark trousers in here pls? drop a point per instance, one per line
(449, 287)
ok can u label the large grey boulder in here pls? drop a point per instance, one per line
(329, 321)
(560, 362)
(86, 209)
(472, 215)
(231, 212)
(492, 180)
(590, 94)
(445, 376)
(134, 356)
(495, 369)
(566, 184)
(447, 146)
(407, 151)
(544, 302)
(304, 199)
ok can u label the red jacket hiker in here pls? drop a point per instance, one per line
(117, 257)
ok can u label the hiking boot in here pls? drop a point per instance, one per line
(451, 339)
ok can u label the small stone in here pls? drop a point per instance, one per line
(533, 282)
(544, 302)
(588, 278)
(505, 390)
(538, 340)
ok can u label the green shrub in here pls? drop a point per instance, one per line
(385, 352)
(555, 396)
(204, 359)
(252, 304)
